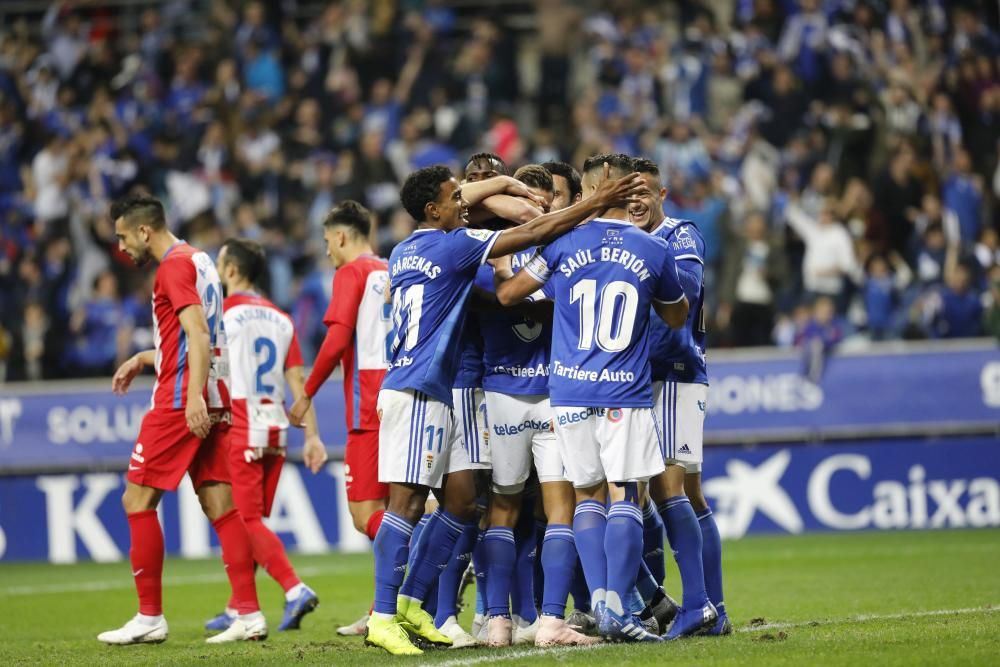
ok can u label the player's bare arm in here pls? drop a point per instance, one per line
(674, 314)
(508, 207)
(314, 452)
(513, 288)
(195, 327)
(548, 227)
(130, 369)
(475, 193)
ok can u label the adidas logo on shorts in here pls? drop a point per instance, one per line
(684, 450)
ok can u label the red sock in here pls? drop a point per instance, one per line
(237, 554)
(146, 555)
(374, 521)
(232, 597)
(270, 553)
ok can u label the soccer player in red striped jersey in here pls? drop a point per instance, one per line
(186, 429)
(264, 354)
(358, 335)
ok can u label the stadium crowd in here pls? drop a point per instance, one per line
(840, 157)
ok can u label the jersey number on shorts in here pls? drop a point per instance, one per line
(270, 350)
(407, 306)
(431, 431)
(615, 314)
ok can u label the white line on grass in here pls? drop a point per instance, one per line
(860, 618)
(117, 584)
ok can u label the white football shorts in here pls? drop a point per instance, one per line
(415, 439)
(521, 432)
(471, 432)
(679, 409)
(613, 444)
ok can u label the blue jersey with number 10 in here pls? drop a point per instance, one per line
(431, 275)
(605, 276)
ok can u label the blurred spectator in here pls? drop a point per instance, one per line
(102, 330)
(992, 324)
(963, 197)
(818, 337)
(886, 280)
(830, 262)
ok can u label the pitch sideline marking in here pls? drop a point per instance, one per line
(860, 618)
(117, 584)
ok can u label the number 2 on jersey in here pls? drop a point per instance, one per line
(614, 323)
(270, 350)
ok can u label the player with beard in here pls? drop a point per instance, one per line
(680, 394)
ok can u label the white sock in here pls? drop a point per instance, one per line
(251, 617)
(294, 592)
(231, 613)
(149, 620)
(381, 616)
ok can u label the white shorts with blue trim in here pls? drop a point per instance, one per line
(679, 408)
(415, 440)
(522, 433)
(471, 434)
(613, 444)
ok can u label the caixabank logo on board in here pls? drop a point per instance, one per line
(884, 486)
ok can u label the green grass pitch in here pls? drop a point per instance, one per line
(854, 599)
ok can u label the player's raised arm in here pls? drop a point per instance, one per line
(548, 227)
(195, 327)
(508, 207)
(475, 193)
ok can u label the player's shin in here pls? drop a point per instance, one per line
(711, 558)
(589, 526)
(559, 562)
(146, 556)
(436, 545)
(237, 554)
(623, 547)
(685, 539)
(270, 553)
(523, 592)
(652, 542)
(500, 555)
(391, 546)
(451, 577)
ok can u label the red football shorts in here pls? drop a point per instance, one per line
(166, 449)
(254, 483)
(361, 467)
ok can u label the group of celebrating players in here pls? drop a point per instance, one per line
(534, 353)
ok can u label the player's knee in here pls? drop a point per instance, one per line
(692, 487)
(216, 500)
(461, 505)
(360, 522)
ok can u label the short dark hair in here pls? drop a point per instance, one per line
(487, 157)
(350, 214)
(535, 176)
(619, 162)
(247, 256)
(568, 172)
(422, 187)
(140, 209)
(645, 166)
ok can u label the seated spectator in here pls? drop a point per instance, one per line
(886, 279)
(100, 331)
(957, 310)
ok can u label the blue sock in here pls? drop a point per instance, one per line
(559, 562)
(578, 588)
(711, 558)
(501, 555)
(589, 524)
(652, 543)
(684, 536)
(645, 583)
(418, 530)
(391, 545)
(451, 579)
(623, 545)
(540, 527)
(437, 545)
(479, 565)
(522, 594)
(635, 602)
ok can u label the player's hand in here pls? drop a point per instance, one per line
(620, 191)
(314, 453)
(297, 414)
(518, 189)
(196, 414)
(125, 374)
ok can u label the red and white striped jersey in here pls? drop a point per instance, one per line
(262, 346)
(358, 302)
(187, 277)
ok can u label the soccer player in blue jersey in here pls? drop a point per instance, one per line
(680, 392)
(431, 275)
(516, 360)
(606, 276)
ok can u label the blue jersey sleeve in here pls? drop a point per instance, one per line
(470, 248)
(687, 244)
(668, 287)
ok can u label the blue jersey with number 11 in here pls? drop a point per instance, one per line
(431, 275)
(605, 276)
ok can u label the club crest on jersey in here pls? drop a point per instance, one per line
(614, 415)
(480, 234)
(702, 405)
(428, 461)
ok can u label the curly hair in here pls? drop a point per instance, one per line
(422, 187)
